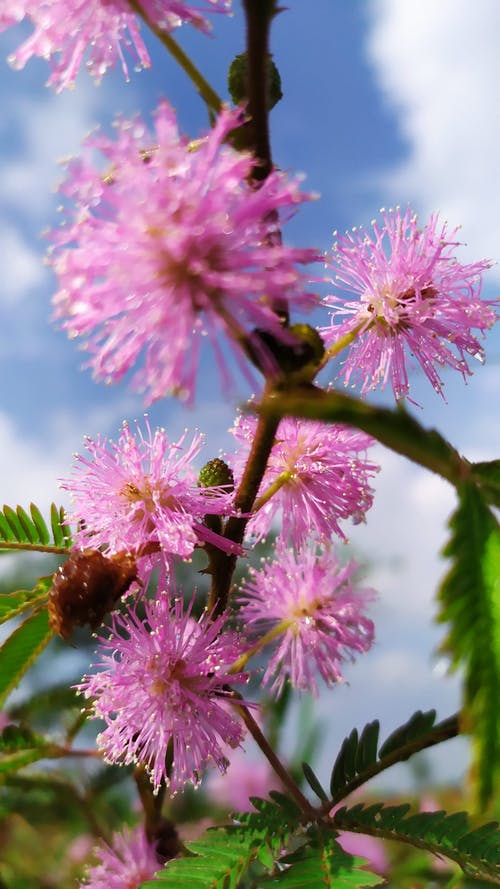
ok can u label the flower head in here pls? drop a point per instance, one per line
(163, 684)
(126, 864)
(317, 474)
(413, 297)
(140, 494)
(317, 613)
(67, 30)
(172, 246)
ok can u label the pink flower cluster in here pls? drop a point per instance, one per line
(413, 297)
(170, 245)
(65, 31)
(311, 600)
(317, 475)
(162, 686)
(141, 495)
(125, 864)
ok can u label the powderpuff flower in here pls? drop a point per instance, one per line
(140, 494)
(66, 30)
(172, 246)
(125, 864)
(413, 297)
(308, 601)
(162, 692)
(317, 475)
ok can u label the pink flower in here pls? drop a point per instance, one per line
(413, 297)
(161, 690)
(126, 864)
(245, 777)
(66, 30)
(171, 246)
(310, 603)
(142, 493)
(318, 473)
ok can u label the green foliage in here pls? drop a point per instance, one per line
(16, 526)
(224, 855)
(470, 604)
(360, 757)
(19, 747)
(12, 604)
(476, 851)
(487, 476)
(21, 649)
(322, 864)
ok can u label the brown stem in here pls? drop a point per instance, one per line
(259, 14)
(282, 773)
(222, 565)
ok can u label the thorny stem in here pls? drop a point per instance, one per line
(282, 773)
(207, 93)
(259, 14)
(221, 565)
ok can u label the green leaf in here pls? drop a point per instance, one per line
(314, 782)
(219, 861)
(322, 864)
(21, 649)
(16, 526)
(223, 855)
(19, 747)
(397, 429)
(39, 523)
(477, 851)
(359, 758)
(470, 603)
(487, 476)
(12, 604)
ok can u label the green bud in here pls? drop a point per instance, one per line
(216, 472)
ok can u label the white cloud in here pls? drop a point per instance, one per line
(22, 268)
(438, 65)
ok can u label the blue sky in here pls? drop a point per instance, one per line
(385, 102)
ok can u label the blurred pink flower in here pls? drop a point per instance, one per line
(142, 492)
(414, 298)
(163, 681)
(319, 472)
(65, 31)
(128, 862)
(170, 247)
(367, 847)
(244, 778)
(316, 611)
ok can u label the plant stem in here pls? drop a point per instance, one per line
(278, 483)
(207, 93)
(278, 767)
(341, 344)
(222, 565)
(35, 547)
(259, 14)
(262, 642)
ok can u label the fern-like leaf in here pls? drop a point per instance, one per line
(477, 851)
(12, 604)
(322, 864)
(19, 747)
(20, 650)
(470, 604)
(19, 527)
(360, 759)
(223, 855)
